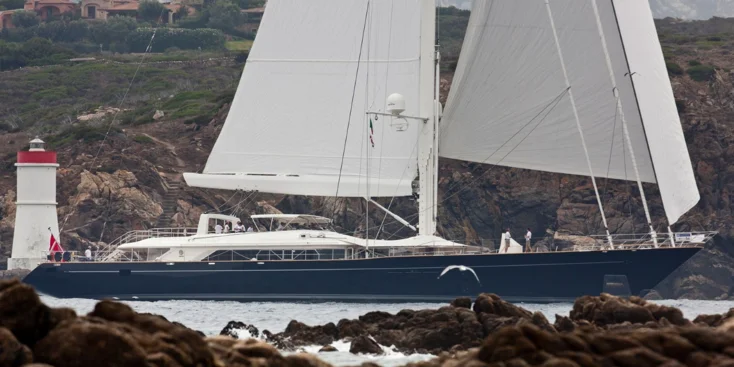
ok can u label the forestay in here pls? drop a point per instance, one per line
(509, 103)
(286, 129)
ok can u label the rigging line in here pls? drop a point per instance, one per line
(554, 100)
(219, 208)
(114, 117)
(402, 175)
(366, 134)
(237, 208)
(351, 107)
(611, 149)
(387, 78)
(554, 105)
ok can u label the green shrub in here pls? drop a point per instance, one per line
(184, 39)
(143, 139)
(25, 19)
(200, 120)
(185, 99)
(80, 132)
(701, 73)
(694, 63)
(673, 68)
(151, 10)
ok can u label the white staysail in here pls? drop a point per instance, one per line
(306, 80)
(509, 103)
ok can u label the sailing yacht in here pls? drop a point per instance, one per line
(339, 98)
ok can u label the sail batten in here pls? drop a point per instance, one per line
(314, 71)
(504, 107)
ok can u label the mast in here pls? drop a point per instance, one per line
(427, 152)
(620, 110)
(578, 121)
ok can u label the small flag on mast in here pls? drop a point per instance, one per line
(372, 132)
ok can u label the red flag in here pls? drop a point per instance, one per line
(54, 245)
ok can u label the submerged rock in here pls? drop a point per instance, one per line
(233, 329)
(328, 348)
(365, 345)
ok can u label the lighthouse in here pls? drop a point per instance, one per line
(35, 214)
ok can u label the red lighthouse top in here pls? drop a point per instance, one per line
(37, 154)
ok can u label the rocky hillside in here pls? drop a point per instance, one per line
(176, 109)
(684, 9)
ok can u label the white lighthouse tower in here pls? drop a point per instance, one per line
(35, 214)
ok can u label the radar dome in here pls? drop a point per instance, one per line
(396, 104)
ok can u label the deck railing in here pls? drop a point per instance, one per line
(633, 241)
(577, 243)
(110, 252)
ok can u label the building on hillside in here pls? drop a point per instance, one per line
(102, 9)
(48, 9)
(252, 22)
(6, 18)
(91, 9)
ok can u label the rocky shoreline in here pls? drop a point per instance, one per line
(599, 331)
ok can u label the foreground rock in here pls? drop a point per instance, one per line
(600, 331)
(114, 335)
(465, 325)
(528, 345)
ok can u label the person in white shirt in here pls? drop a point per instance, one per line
(508, 237)
(218, 229)
(249, 229)
(239, 227)
(226, 227)
(528, 236)
(88, 254)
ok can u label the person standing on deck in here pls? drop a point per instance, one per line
(226, 227)
(508, 237)
(528, 236)
(218, 229)
(239, 227)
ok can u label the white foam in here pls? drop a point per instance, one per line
(342, 356)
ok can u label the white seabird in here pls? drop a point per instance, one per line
(461, 268)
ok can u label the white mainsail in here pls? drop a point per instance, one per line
(305, 79)
(509, 103)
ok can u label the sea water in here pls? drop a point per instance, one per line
(210, 317)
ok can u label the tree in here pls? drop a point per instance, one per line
(11, 4)
(182, 12)
(26, 19)
(115, 29)
(224, 15)
(152, 10)
(36, 48)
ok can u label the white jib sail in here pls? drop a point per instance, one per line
(508, 103)
(305, 79)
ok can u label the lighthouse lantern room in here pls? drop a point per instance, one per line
(35, 216)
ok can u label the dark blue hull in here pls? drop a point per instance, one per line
(534, 277)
